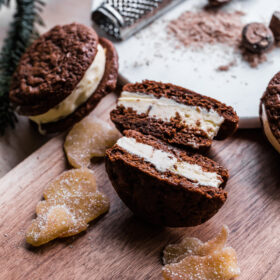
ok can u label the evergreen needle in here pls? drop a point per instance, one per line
(20, 34)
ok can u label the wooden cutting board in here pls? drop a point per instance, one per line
(117, 245)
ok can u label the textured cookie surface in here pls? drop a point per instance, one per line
(160, 196)
(270, 106)
(107, 85)
(53, 65)
(174, 114)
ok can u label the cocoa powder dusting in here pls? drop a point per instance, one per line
(195, 29)
(207, 27)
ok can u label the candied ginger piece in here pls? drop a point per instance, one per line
(192, 246)
(194, 260)
(85, 213)
(215, 244)
(220, 265)
(71, 202)
(87, 139)
(174, 253)
(46, 227)
(71, 184)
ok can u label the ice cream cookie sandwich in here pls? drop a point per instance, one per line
(270, 112)
(63, 75)
(165, 185)
(173, 114)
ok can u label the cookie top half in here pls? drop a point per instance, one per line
(53, 66)
(174, 114)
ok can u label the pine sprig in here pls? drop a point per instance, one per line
(20, 34)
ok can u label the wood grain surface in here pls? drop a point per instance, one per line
(119, 246)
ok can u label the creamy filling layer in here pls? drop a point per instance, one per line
(166, 161)
(165, 108)
(267, 130)
(80, 94)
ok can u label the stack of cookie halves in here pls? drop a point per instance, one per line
(157, 167)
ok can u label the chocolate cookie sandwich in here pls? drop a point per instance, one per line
(270, 112)
(174, 114)
(63, 75)
(165, 185)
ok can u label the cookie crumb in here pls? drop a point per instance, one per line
(227, 67)
(254, 59)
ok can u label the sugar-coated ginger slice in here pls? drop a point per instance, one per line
(215, 244)
(194, 260)
(71, 202)
(192, 246)
(220, 265)
(174, 253)
(87, 139)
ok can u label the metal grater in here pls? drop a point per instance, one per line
(122, 18)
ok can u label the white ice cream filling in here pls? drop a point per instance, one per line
(80, 94)
(267, 130)
(164, 108)
(166, 161)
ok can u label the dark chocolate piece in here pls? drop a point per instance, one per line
(217, 3)
(275, 25)
(164, 198)
(257, 38)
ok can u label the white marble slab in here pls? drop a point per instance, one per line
(149, 55)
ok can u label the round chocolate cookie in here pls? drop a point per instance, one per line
(270, 112)
(174, 114)
(53, 65)
(164, 185)
(107, 85)
(218, 3)
(63, 75)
